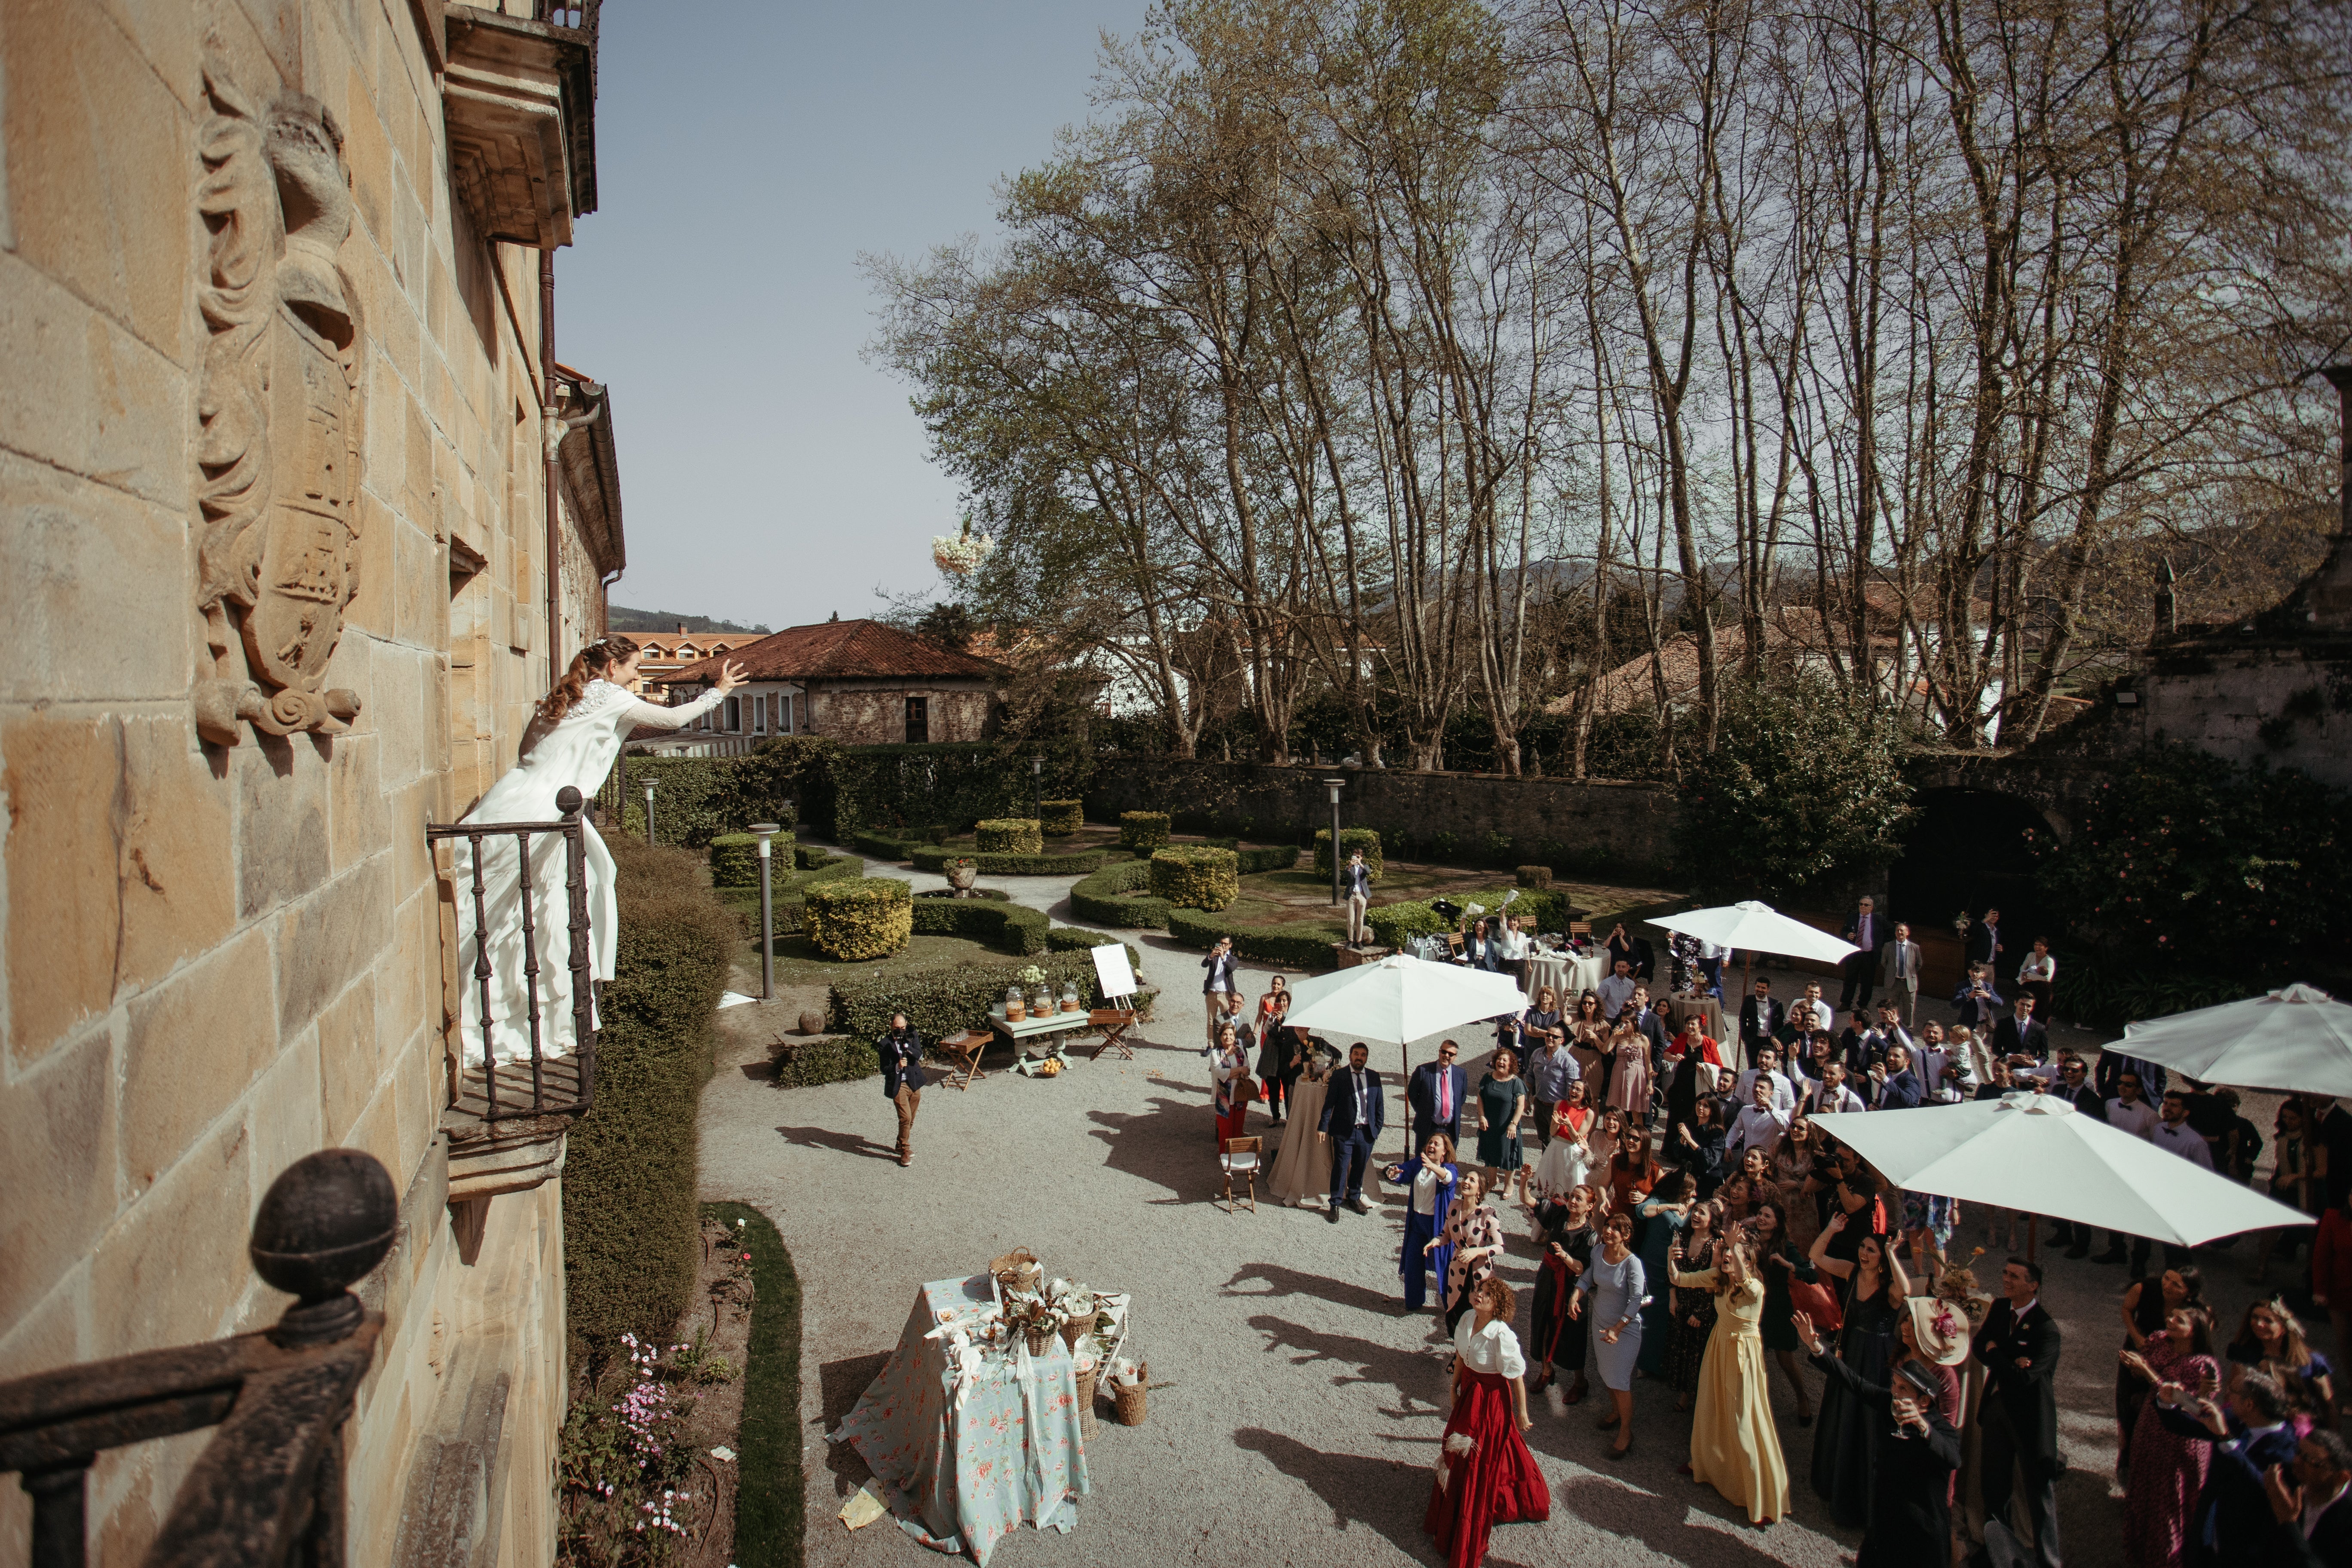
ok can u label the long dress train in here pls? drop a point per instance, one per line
(577, 750)
(1733, 1446)
(1486, 1476)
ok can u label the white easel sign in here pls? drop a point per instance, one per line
(1112, 970)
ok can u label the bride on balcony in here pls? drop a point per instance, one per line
(572, 740)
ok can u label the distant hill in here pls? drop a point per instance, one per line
(625, 620)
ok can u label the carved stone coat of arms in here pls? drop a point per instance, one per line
(279, 414)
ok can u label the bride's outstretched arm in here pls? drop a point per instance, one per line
(651, 716)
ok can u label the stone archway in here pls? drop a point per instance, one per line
(1967, 849)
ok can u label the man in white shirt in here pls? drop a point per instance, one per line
(1761, 1123)
(1937, 1069)
(1616, 989)
(1784, 1093)
(1833, 1094)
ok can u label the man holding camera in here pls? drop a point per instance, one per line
(901, 1051)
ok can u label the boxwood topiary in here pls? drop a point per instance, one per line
(1195, 877)
(935, 858)
(1015, 927)
(1060, 818)
(860, 917)
(1535, 876)
(1294, 944)
(1117, 896)
(1143, 831)
(735, 858)
(1009, 835)
(1367, 839)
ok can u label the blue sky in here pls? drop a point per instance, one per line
(746, 154)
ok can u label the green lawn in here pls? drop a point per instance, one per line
(799, 964)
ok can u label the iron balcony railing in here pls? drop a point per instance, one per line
(269, 1487)
(544, 1085)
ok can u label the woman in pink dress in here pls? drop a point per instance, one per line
(1486, 1476)
(1628, 1083)
(2168, 1471)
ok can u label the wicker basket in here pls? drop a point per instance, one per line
(1126, 1398)
(1039, 1338)
(1017, 1271)
(1077, 1329)
(1087, 1373)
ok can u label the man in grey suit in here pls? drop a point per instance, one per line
(1898, 974)
(1356, 883)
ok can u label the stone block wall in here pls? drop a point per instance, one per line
(2289, 706)
(1599, 826)
(874, 713)
(215, 959)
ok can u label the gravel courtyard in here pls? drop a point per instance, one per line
(1303, 1408)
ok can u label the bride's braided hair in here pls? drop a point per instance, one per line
(587, 665)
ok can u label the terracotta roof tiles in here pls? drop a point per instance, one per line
(845, 650)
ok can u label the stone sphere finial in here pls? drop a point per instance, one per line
(567, 801)
(327, 1220)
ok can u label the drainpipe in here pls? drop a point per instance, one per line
(554, 473)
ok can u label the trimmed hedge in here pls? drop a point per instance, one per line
(1015, 928)
(885, 847)
(840, 1060)
(1393, 923)
(1538, 878)
(1009, 835)
(1195, 877)
(809, 856)
(1078, 939)
(792, 892)
(1266, 857)
(1367, 839)
(695, 799)
(1143, 831)
(860, 917)
(951, 997)
(735, 858)
(1060, 818)
(1294, 944)
(630, 1232)
(998, 894)
(1118, 896)
(935, 858)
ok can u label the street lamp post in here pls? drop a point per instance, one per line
(649, 811)
(767, 832)
(1037, 785)
(1335, 786)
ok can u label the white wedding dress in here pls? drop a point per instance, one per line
(576, 750)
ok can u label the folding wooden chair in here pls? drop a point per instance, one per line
(1580, 928)
(1114, 1022)
(964, 1051)
(1241, 1157)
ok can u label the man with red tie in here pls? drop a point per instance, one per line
(1434, 1096)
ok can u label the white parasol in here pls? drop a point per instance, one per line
(1400, 999)
(1752, 926)
(2037, 1153)
(2296, 1041)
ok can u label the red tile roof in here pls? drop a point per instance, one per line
(845, 650)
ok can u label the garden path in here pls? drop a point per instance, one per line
(1303, 1408)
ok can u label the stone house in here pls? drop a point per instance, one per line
(667, 653)
(302, 510)
(862, 683)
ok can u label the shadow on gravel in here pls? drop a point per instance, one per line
(1168, 1143)
(1413, 1374)
(840, 1382)
(1283, 1281)
(840, 1142)
(1380, 1494)
(1661, 1522)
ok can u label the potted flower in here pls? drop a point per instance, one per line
(962, 873)
(1040, 998)
(1036, 1319)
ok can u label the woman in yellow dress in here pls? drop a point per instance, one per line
(1733, 1446)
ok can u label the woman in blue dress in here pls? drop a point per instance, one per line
(1430, 1183)
(1665, 1214)
(1614, 1283)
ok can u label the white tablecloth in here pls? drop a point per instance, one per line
(1565, 974)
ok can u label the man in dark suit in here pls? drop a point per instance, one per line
(1900, 1090)
(2018, 1349)
(1760, 1018)
(2021, 1034)
(1984, 941)
(1434, 1096)
(903, 1082)
(1869, 931)
(2334, 1130)
(2231, 1526)
(1352, 1118)
(1898, 974)
(2311, 1501)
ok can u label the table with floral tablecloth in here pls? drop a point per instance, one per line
(966, 1444)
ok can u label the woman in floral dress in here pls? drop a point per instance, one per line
(1475, 1231)
(1629, 1077)
(1693, 1307)
(2168, 1471)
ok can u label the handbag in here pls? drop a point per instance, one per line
(1245, 1090)
(1817, 1301)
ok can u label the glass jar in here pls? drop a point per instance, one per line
(1070, 1003)
(1016, 1007)
(1041, 1002)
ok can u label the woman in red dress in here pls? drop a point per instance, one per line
(1485, 1475)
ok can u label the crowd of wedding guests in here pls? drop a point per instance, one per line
(1699, 1223)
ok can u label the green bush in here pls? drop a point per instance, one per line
(860, 918)
(1015, 928)
(1143, 831)
(808, 857)
(1804, 783)
(935, 858)
(998, 894)
(1117, 896)
(695, 799)
(805, 1065)
(955, 781)
(1392, 923)
(1352, 839)
(1294, 944)
(1078, 939)
(735, 858)
(1009, 835)
(1060, 818)
(885, 847)
(790, 893)
(2092, 990)
(943, 1000)
(1195, 877)
(1535, 876)
(631, 1243)
(1268, 857)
